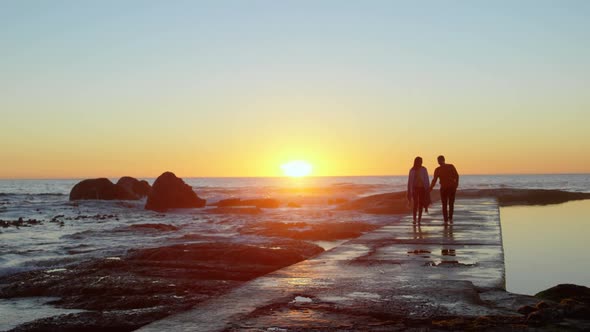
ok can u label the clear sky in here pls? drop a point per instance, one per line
(238, 88)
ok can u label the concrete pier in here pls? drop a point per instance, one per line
(383, 280)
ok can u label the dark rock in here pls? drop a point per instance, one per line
(526, 310)
(149, 284)
(574, 309)
(544, 316)
(396, 202)
(112, 321)
(390, 203)
(566, 291)
(157, 227)
(20, 223)
(102, 189)
(228, 202)
(511, 196)
(268, 203)
(234, 210)
(138, 188)
(304, 231)
(258, 202)
(170, 192)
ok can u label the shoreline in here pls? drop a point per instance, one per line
(371, 208)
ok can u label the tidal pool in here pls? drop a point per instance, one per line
(546, 245)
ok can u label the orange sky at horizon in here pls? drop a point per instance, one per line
(232, 89)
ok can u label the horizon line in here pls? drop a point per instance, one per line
(279, 176)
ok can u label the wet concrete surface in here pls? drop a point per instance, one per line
(396, 277)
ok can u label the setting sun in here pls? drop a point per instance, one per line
(297, 168)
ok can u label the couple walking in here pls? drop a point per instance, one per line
(419, 188)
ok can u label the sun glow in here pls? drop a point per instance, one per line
(297, 168)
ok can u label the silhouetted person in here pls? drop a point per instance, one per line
(418, 188)
(449, 181)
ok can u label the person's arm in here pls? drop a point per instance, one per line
(434, 179)
(456, 176)
(409, 192)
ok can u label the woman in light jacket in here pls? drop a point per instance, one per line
(418, 185)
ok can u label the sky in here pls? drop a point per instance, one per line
(239, 88)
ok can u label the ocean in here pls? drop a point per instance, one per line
(70, 232)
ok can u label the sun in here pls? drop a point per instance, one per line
(297, 168)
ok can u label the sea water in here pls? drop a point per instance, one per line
(55, 245)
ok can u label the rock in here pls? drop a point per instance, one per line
(544, 316)
(304, 231)
(170, 192)
(566, 291)
(228, 202)
(541, 305)
(258, 202)
(269, 203)
(511, 196)
(574, 309)
(389, 203)
(234, 210)
(102, 189)
(149, 284)
(139, 188)
(115, 321)
(526, 310)
(157, 227)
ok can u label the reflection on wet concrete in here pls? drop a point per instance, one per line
(401, 270)
(447, 252)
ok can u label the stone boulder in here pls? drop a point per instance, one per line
(139, 188)
(566, 291)
(170, 192)
(102, 189)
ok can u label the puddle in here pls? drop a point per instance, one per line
(334, 299)
(327, 245)
(365, 295)
(302, 299)
(55, 270)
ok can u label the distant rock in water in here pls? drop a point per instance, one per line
(512, 196)
(396, 202)
(102, 189)
(170, 192)
(269, 203)
(139, 188)
(234, 210)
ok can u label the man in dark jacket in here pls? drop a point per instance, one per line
(449, 181)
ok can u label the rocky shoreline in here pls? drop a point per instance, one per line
(126, 292)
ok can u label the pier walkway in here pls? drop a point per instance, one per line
(383, 280)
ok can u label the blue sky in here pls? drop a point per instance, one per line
(367, 85)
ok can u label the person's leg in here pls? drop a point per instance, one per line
(422, 199)
(452, 193)
(415, 204)
(444, 197)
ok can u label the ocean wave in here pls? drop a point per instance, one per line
(32, 194)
